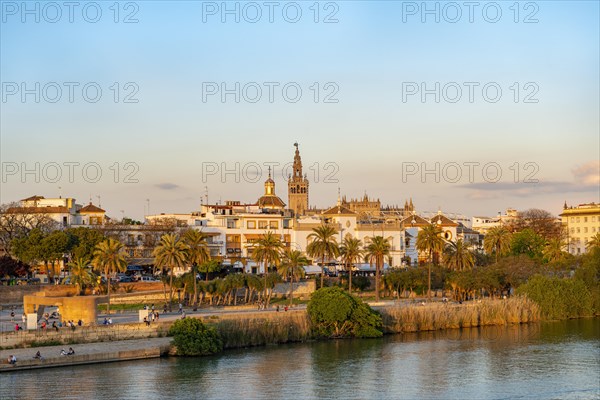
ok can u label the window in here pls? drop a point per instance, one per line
(578, 219)
(572, 230)
(593, 219)
(584, 219)
(274, 224)
(585, 230)
(263, 224)
(572, 219)
(578, 230)
(251, 224)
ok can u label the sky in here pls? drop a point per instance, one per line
(152, 106)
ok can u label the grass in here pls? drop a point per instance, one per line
(435, 316)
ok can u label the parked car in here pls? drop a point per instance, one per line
(148, 279)
(125, 279)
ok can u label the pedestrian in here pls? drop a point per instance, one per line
(285, 308)
(17, 328)
(277, 309)
(165, 308)
(180, 308)
(152, 316)
(12, 316)
(156, 313)
(145, 306)
(183, 315)
(146, 321)
(80, 323)
(24, 318)
(12, 359)
(44, 325)
(152, 307)
(55, 326)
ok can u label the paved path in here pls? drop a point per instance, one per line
(85, 353)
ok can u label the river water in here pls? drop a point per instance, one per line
(558, 360)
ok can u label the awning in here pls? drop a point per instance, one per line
(140, 261)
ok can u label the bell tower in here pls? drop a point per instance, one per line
(298, 186)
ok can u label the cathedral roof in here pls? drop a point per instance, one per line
(267, 201)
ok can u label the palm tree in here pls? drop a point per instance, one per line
(497, 240)
(267, 250)
(377, 249)
(429, 240)
(170, 253)
(323, 245)
(593, 242)
(109, 258)
(80, 274)
(458, 256)
(198, 253)
(351, 252)
(553, 251)
(293, 265)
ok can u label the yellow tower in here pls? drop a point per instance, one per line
(298, 187)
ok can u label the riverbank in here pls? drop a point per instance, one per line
(136, 340)
(89, 353)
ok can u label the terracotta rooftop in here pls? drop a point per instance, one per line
(337, 210)
(90, 208)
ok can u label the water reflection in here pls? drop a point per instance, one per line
(538, 361)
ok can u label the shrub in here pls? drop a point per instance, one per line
(559, 298)
(335, 313)
(192, 337)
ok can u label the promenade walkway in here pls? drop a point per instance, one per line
(87, 353)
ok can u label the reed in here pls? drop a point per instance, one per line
(431, 317)
(259, 331)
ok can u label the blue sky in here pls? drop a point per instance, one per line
(368, 137)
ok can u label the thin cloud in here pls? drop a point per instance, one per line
(588, 173)
(166, 186)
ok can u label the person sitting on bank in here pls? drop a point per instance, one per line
(63, 352)
(12, 359)
(146, 321)
(71, 351)
(38, 356)
(105, 321)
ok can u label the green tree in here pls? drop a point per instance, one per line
(351, 252)
(527, 242)
(377, 249)
(267, 250)
(83, 241)
(336, 313)
(55, 247)
(430, 241)
(458, 256)
(198, 253)
(554, 250)
(323, 245)
(192, 337)
(497, 241)
(80, 274)
(109, 258)
(293, 266)
(171, 253)
(209, 267)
